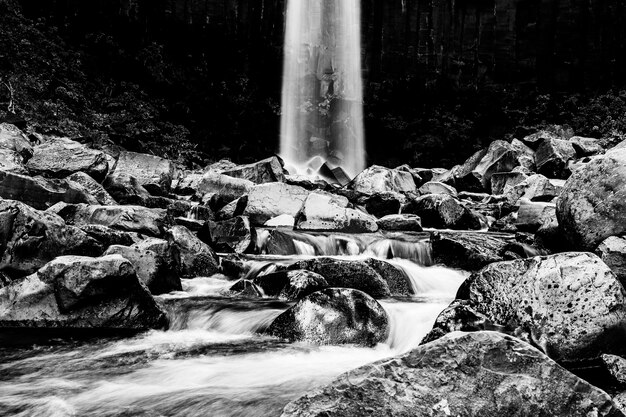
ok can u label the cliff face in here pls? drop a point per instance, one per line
(555, 43)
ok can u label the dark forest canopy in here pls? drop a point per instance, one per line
(443, 77)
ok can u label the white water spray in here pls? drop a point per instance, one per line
(322, 98)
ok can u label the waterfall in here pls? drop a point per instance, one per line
(322, 97)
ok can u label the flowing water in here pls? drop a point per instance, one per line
(322, 97)
(213, 361)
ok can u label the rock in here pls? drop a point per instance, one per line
(382, 204)
(333, 316)
(234, 235)
(80, 292)
(347, 274)
(266, 201)
(42, 193)
(553, 156)
(307, 182)
(616, 367)
(107, 236)
(94, 188)
(613, 253)
(13, 139)
(126, 189)
(222, 189)
(151, 269)
(592, 205)
(586, 146)
(399, 284)
(246, 288)
(442, 211)
(534, 188)
(284, 220)
(151, 222)
(554, 132)
(187, 183)
(525, 156)
(464, 374)
(261, 172)
(570, 305)
(501, 182)
(505, 224)
(153, 173)
(233, 209)
(334, 175)
(434, 187)
(468, 251)
(326, 212)
(377, 179)
(400, 222)
(69, 157)
(532, 215)
(193, 257)
(30, 238)
(291, 285)
(475, 174)
(11, 161)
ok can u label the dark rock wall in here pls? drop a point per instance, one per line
(556, 43)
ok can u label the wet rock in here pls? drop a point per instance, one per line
(616, 367)
(592, 205)
(14, 139)
(94, 188)
(535, 188)
(68, 157)
(107, 236)
(222, 189)
(382, 204)
(553, 157)
(570, 305)
(347, 274)
(153, 173)
(464, 374)
(151, 269)
(442, 211)
(261, 172)
(284, 220)
(501, 182)
(193, 257)
(246, 288)
(151, 222)
(397, 280)
(11, 161)
(468, 251)
(613, 253)
(30, 238)
(400, 222)
(377, 179)
(505, 224)
(475, 174)
(81, 292)
(532, 215)
(42, 193)
(291, 285)
(327, 212)
(334, 175)
(333, 316)
(266, 201)
(234, 235)
(434, 187)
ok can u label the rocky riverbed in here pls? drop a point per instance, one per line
(130, 286)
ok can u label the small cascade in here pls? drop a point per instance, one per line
(432, 282)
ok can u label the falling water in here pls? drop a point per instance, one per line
(322, 98)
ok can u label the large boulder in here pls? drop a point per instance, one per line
(501, 182)
(400, 222)
(382, 204)
(261, 172)
(95, 189)
(233, 235)
(266, 201)
(193, 257)
(533, 214)
(398, 282)
(535, 188)
(30, 238)
(592, 205)
(463, 374)
(220, 189)
(468, 251)
(377, 179)
(570, 305)
(81, 292)
(475, 174)
(327, 212)
(14, 139)
(153, 270)
(60, 157)
(434, 187)
(333, 316)
(553, 157)
(11, 161)
(42, 193)
(347, 274)
(442, 211)
(613, 253)
(291, 285)
(151, 222)
(155, 174)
